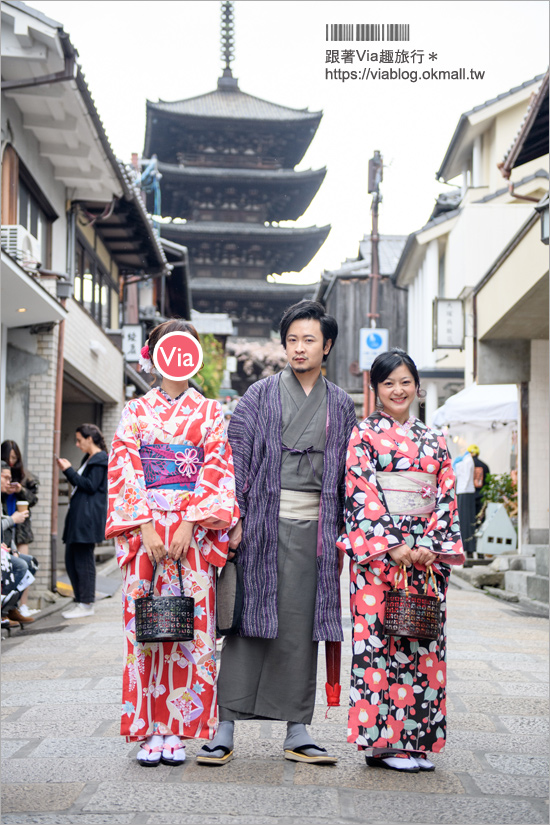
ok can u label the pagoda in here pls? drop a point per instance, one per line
(227, 162)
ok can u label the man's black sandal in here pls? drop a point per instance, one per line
(203, 759)
(300, 754)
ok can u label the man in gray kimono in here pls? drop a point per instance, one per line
(289, 435)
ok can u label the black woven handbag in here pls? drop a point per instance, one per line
(165, 618)
(415, 615)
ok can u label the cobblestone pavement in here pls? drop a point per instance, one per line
(64, 762)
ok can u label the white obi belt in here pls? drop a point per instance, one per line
(298, 505)
(409, 493)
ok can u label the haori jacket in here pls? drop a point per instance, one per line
(255, 436)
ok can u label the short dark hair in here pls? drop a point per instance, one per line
(5, 465)
(310, 310)
(385, 363)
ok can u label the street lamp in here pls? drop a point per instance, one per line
(542, 209)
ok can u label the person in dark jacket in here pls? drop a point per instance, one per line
(85, 521)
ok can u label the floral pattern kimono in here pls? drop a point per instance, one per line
(397, 695)
(170, 687)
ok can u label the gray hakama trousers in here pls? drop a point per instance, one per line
(276, 678)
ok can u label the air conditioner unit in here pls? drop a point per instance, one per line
(22, 246)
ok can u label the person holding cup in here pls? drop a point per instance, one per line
(23, 566)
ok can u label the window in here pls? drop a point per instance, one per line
(34, 219)
(93, 286)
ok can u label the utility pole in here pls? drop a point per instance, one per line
(375, 179)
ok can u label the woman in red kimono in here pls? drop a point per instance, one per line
(171, 496)
(400, 509)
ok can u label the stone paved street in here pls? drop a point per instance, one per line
(64, 762)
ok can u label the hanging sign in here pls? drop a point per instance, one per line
(372, 342)
(448, 323)
(132, 341)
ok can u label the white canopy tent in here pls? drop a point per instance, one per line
(486, 415)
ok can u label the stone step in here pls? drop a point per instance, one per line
(527, 563)
(527, 584)
(530, 549)
(541, 559)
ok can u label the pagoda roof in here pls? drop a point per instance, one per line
(241, 174)
(233, 104)
(247, 287)
(298, 188)
(298, 244)
(194, 229)
(224, 110)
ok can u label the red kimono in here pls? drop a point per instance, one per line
(170, 687)
(397, 694)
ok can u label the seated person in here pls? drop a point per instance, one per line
(21, 565)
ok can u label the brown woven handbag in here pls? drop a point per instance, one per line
(415, 615)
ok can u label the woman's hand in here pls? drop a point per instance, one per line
(63, 463)
(154, 545)
(402, 555)
(235, 535)
(179, 546)
(20, 516)
(422, 555)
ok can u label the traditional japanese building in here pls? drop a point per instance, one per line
(227, 162)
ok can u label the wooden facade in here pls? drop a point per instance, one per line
(346, 294)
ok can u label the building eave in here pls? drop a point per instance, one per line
(538, 110)
(474, 122)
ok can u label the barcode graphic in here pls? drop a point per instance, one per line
(367, 31)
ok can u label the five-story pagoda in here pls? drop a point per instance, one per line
(227, 161)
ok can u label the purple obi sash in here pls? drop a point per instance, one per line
(171, 466)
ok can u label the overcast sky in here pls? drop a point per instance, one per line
(170, 50)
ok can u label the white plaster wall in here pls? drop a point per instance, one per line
(101, 373)
(480, 234)
(539, 456)
(26, 146)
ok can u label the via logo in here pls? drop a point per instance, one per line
(374, 341)
(178, 356)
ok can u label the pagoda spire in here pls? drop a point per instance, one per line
(227, 29)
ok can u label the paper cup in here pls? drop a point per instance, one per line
(22, 506)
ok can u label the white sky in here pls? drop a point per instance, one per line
(169, 49)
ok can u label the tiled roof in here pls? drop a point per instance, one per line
(531, 140)
(241, 174)
(510, 92)
(390, 248)
(242, 229)
(246, 286)
(233, 104)
(540, 173)
(464, 119)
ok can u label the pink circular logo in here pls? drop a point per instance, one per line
(178, 356)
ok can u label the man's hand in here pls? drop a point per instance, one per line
(402, 555)
(179, 546)
(154, 545)
(19, 516)
(235, 535)
(63, 463)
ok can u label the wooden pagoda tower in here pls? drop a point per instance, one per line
(227, 162)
